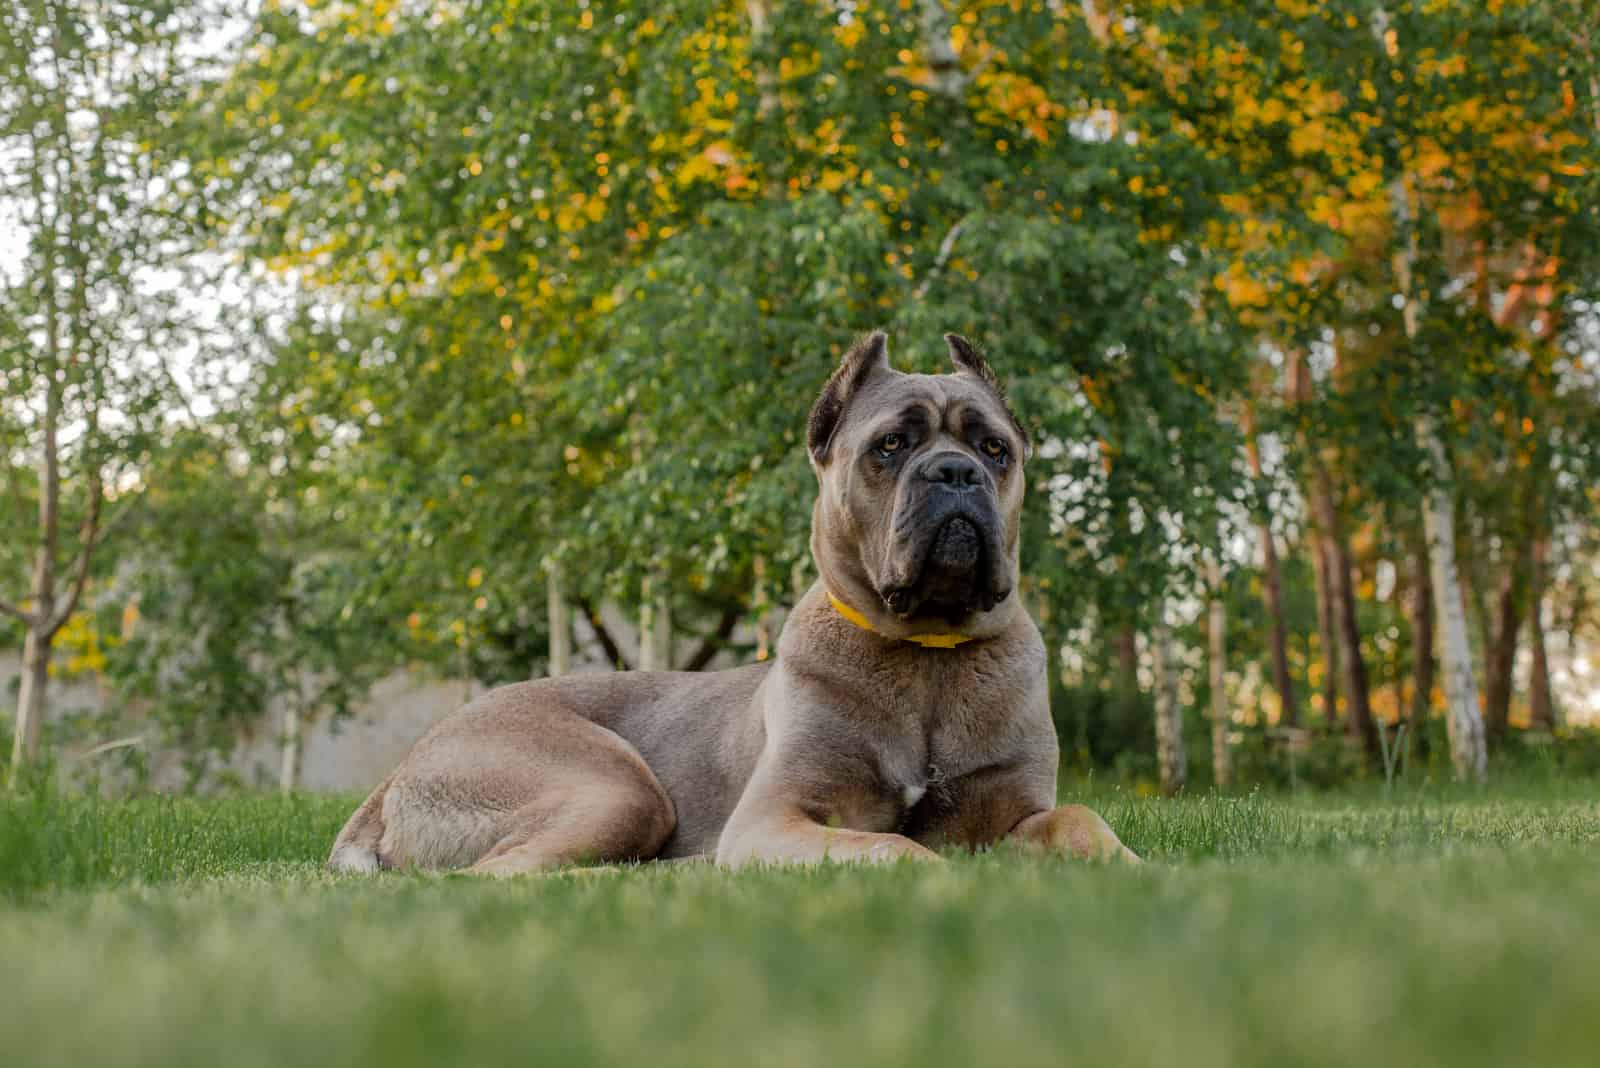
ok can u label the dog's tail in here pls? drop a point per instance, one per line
(356, 848)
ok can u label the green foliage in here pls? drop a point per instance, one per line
(1106, 731)
(237, 592)
(556, 283)
(636, 285)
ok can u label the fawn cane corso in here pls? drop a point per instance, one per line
(906, 710)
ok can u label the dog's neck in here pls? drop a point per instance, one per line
(927, 641)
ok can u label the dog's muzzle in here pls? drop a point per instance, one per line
(949, 561)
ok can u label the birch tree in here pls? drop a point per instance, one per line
(88, 323)
(1172, 760)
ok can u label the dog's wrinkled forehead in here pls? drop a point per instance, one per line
(864, 384)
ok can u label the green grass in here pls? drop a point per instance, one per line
(1445, 928)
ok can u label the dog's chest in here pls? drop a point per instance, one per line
(919, 770)
(945, 736)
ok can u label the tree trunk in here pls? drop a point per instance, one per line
(607, 643)
(1361, 724)
(292, 743)
(1170, 755)
(1346, 624)
(1500, 664)
(1541, 710)
(560, 622)
(647, 628)
(1421, 648)
(655, 626)
(663, 635)
(1297, 387)
(949, 78)
(1468, 751)
(1467, 748)
(1128, 658)
(715, 642)
(31, 699)
(1283, 682)
(1216, 635)
(1325, 637)
(761, 605)
(42, 621)
(1576, 617)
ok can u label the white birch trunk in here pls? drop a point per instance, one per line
(761, 602)
(1463, 719)
(938, 53)
(291, 742)
(1170, 756)
(560, 622)
(662, 639)
(1216, 635)
(42, 621)
(647, 630)
(31, 699)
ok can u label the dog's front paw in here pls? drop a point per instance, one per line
(893, 847)
(1073, 831)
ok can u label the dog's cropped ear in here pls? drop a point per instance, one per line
(965, 355)
(868, 354)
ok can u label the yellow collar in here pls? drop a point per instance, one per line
(927, 641)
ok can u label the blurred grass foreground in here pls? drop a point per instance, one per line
(1451, 929)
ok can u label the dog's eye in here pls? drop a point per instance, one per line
(891, 443)
(994, 449)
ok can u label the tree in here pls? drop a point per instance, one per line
(604, 285)
(577, 273)
(240, 590)
(88, 325)
(1419, 152)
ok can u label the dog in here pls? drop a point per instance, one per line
(906, 711)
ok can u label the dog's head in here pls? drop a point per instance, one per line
(917, 519)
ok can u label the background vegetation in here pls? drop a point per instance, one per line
(342, 335)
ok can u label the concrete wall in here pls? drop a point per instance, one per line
(350, 754)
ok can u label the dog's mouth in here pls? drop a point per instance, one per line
(953, 579)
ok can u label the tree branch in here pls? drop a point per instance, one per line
(603, 635)
(26, 618)
(80, 566)
(946, 247)
(716, 641)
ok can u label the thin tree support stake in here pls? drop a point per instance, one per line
(1170, 755)
(560, 621)
(1216, 634)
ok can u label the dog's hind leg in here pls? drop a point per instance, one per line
(589, 823)
(356, 848)
(602, 804)
(502, 788)
(506, 794)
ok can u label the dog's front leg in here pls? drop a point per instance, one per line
(1073, 831)
(792, 812)
(790, 837)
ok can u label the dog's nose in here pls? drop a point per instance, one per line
(955, 471)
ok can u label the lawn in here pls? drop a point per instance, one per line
(1441, 927)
